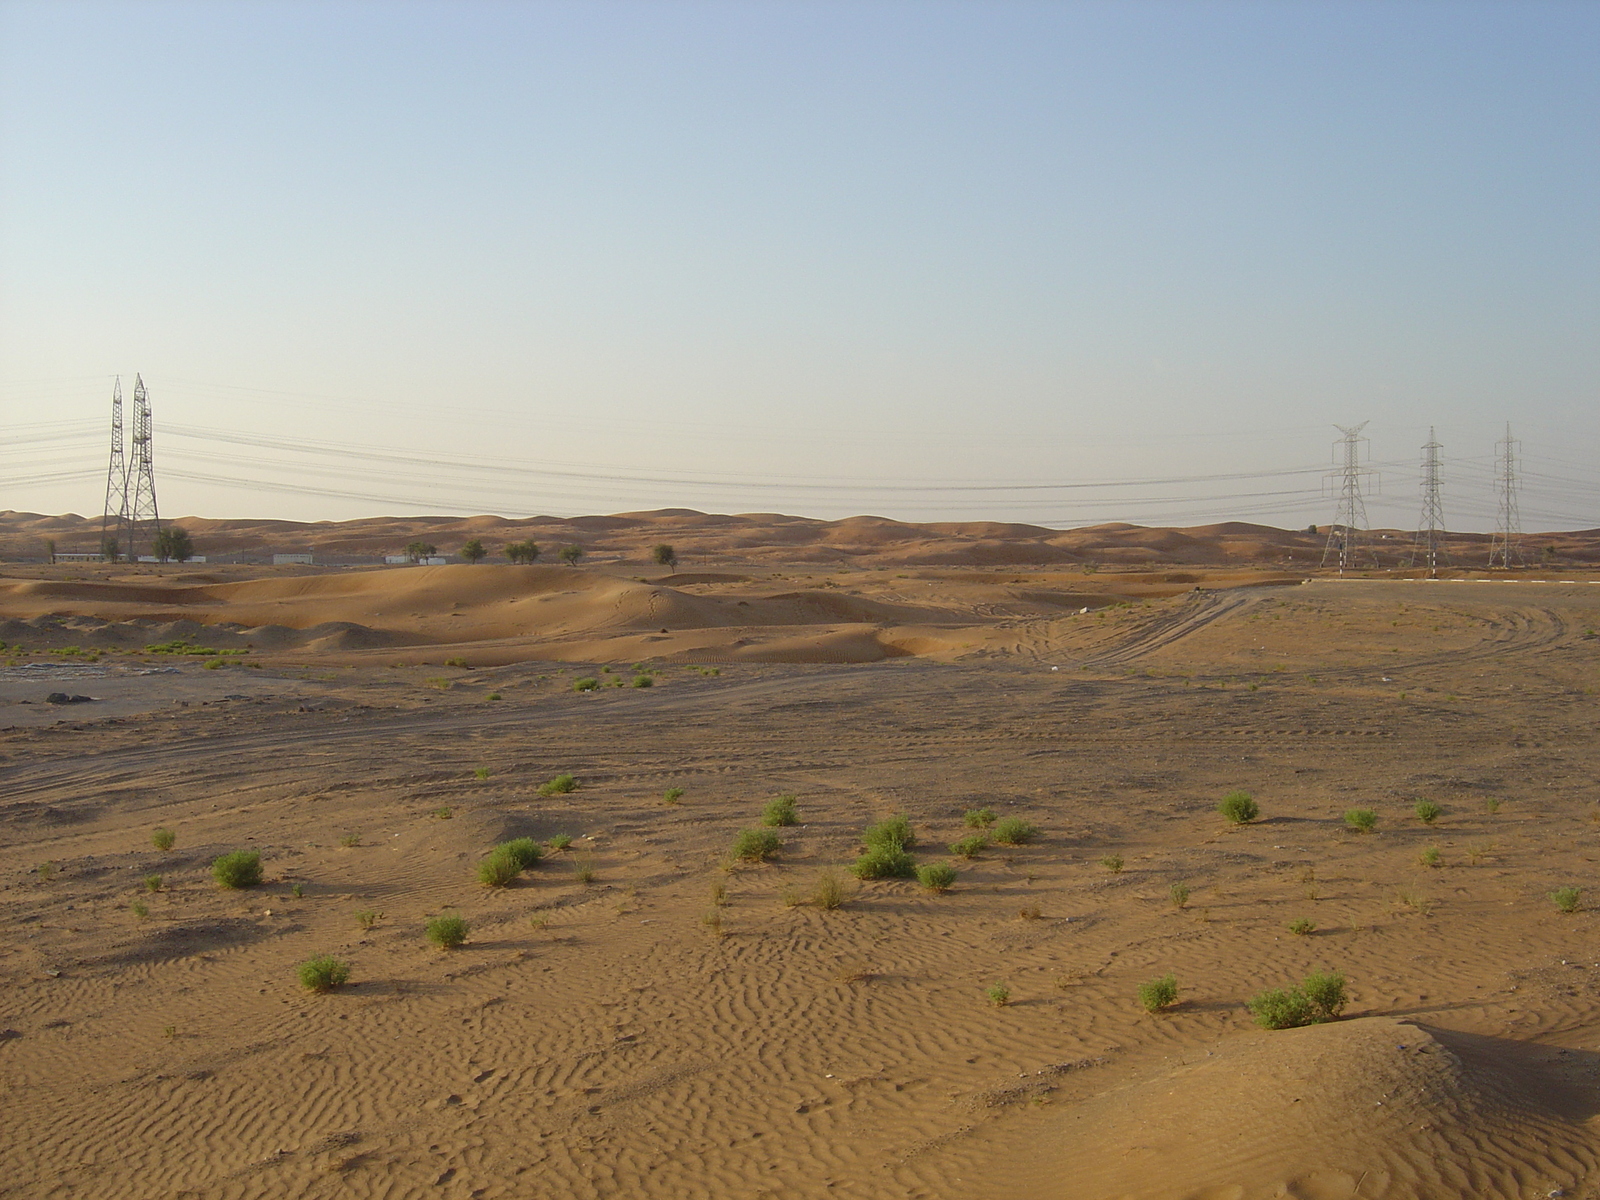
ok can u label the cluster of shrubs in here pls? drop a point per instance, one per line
(1319, 997)
(507, 861)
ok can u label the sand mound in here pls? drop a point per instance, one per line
(1378, 1104)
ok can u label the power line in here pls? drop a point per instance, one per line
(1507, 543)
(1351, 518)
(1428, 545)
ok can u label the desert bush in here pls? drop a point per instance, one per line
(891, 831)
(1429, 857)
(643, 681)
(829, 891)
(1239, 807)
(969, 847)
(456, 662)
(1282, 1008)
(442, 813)
(447, 930)
(350, 841)
(1491, 806)
(139, 909)
(713, 922)
(756, 845)
(498, 869)
(560, 841)
(1302, 927)
(298, 890)
(367, 918)
(240, 869)
(152, 883)
(999, 994)
(1030, 912)
(884, 862)
(1427, 811)
(936, 877)
(780, 811)
(672, 795)
(480, 772)
(1179, 893)
(719, 893)
(583, 868)
(1159, 993)
(1361, 820)
(1013, 831)
(1112, 863)
(163, 839)
(323, 973)
(524, 851)
(1325, 990)
(587, 684)
(978, 818)
(1567, 899)
(558, 786)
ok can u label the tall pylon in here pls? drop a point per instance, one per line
(142, 524)
(1344, 535)
(116, 511)
(1428, 546)
(1507, 542)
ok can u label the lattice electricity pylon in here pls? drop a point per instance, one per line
(143, 521)
(1507, 542)
(116, 511)
(1344, 535)
(1427, 548)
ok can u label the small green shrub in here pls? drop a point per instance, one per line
(672, 795)
(1239, 807)
(1325, 990)
(1430, 857)
(495, 696)
(884, 862)
(780, 812)
(524, 851)
(587, 684)
(447, 930)
(1361, 820)
(480, 772)
(350, 841)
(829, 892)
(298, 890)
(456, 662)
(443, 813)
(498, 869)
(1567, 899)
(978, 818)
(1491, 806)
(323, 973)
(969, 847)
(1179, 892)
(163, 839)
(367, 918)
(559, 786)
(1302, 927)
(936, 877)
(643, 681)
(1428, 812)
(583, 868)
(1014, 831)
(1112, 863)
(999, 994)
(140, 909)
(560, 841)
(1159, 993)
(1282, 1008)
(756, 845)
(152, 883)
(240, 869)
(891, 831)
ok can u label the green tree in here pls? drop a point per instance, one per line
(571, 554)
(110, 550)
(666, 556)
(173, 544)
(522, 552)
(473, 551)
(417, 551)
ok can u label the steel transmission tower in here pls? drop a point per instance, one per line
(1507, 543)
(142, 521)
(1428, 547)
(1344, 535)
(116, 511)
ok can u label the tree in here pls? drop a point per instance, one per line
(473, 551)
(50, 549)
(522, 552)
(666, 556)
(173, 544)
(417, 551)
(110, 550)
(571, 554)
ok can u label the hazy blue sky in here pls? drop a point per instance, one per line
(804, 257)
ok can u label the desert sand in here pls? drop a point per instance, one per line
(637, 1016)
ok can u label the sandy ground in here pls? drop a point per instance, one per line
(604, 1039)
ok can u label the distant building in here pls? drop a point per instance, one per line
(292, 560)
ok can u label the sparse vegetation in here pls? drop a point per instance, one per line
(780, 812)
(323, 973)
(443, 813)
(672, 795)
(1491, 806)
(719, 893)
(969, 847)
(1302, 927)
(587, 684)
(1112, 863)
(524, 851)
(298, 891)
(152, 883)
(1159, 993)
(1320, 997)
(350, 840)
(498, 869)
(558, 786)
(643, 681)
(936, 877)
(1325, 990)
(829, 890)
(1013, 831)
(447, 930)
(713, 922)
(1179, 894)
(892, 831)
(755, 845)
(1239, 807)
(367, 918)
(1360, 820)
(978, 818)
(1567, 899)
(884, 862)
(480, 772)
(240, 869)
(163, 839)
(1429, 857)
(521, 552)
(570, 555)
(457, 661)
(1030, 912)
(1427, 811)
(665, 556)
(560, 841)
(583, 868)
(139, 909)
(999, 994)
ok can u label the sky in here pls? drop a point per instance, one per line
(1060, 263)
